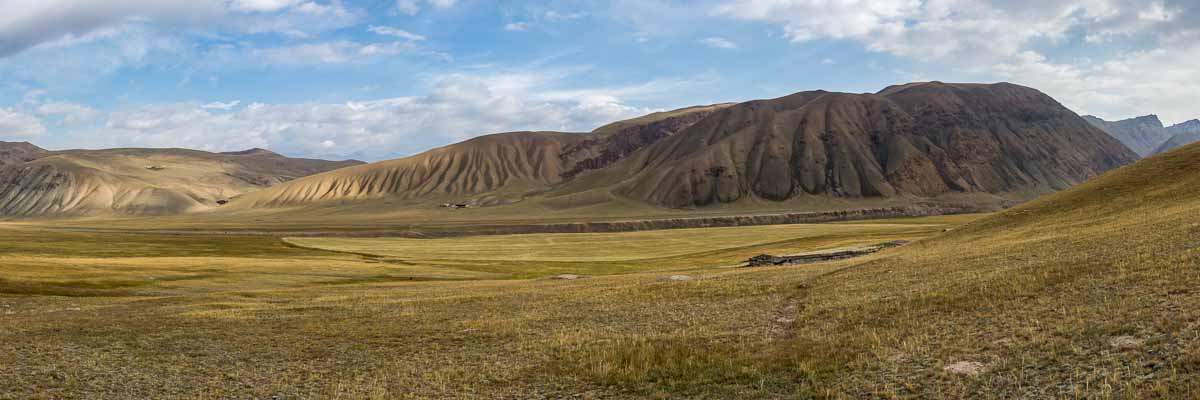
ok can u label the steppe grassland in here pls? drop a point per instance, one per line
(1088, 293)
(133, 315)
(623, 246)
(41, 260)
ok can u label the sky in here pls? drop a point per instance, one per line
(381, 79)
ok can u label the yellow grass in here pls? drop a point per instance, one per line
(135, 315)
(623, 246)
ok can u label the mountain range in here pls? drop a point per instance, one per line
(909, 141)
(906, 143)
(1182, 134)
(1147, 135)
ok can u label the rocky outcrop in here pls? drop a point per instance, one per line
(601, 150)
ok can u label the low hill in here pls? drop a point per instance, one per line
(1142, 134)
(911, 141)
(141, 181)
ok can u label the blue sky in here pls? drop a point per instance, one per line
(388, 78)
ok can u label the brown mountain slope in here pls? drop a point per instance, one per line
(911, 141)
(19, 152)
(920, 139)
(141, 181)
(490, 169)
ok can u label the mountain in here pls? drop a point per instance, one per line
(139, 181)
(490, 169)
(1142, 134)
(19, 152)
(1181, 135)
(910, 141)
(920, 140)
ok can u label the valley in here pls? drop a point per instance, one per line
(958, 241)
(599, 200)
(1065, 296)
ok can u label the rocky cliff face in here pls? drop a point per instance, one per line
(1142, 134)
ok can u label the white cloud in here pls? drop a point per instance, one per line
(458, 106)
(718, 43)
(1162, 81)
(335, 52)
(954, 28)
(1018, 41)
(442, 4)
(400, 33)
(17, 125)
(805, 20)
(216, 105)
(516, 26)
(28, 23)
(553, 15)
(262, 5)
(412, 7)
(71, 113)
(305, 20)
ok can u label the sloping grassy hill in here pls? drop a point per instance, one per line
(1091, 292)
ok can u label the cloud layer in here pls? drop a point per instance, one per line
(457, 107)
(1011, 40)
(19, 125)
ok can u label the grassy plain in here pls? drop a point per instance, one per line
(536, 255)
(86, 314)
(1089, 293)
